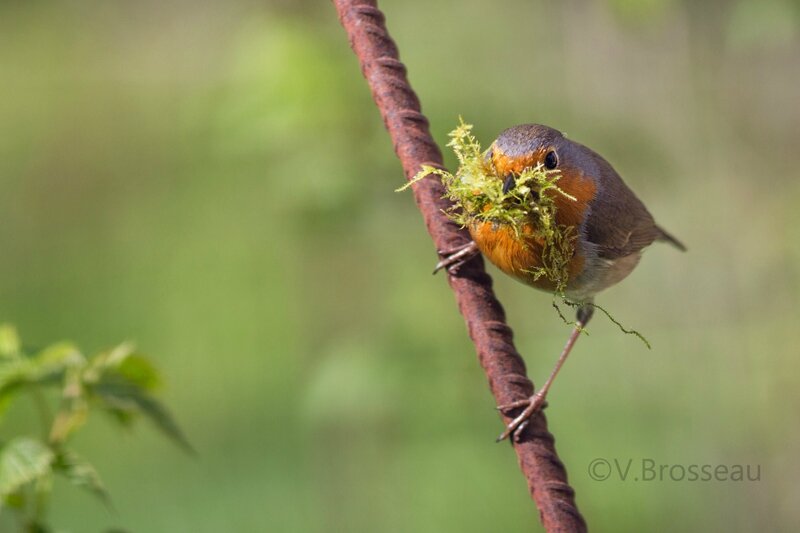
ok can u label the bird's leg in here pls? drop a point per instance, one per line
(453, 259)
(537, 401)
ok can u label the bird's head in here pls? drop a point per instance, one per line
(525, 146)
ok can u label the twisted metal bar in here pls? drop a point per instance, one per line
(485, 318)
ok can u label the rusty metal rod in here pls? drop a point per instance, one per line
(485, 318)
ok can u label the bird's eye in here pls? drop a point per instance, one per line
(550, 160)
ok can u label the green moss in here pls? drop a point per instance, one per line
(477, 195)
(576, 305)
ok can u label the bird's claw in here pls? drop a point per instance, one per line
(453, 259)
(518, 425)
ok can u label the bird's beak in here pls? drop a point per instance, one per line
(509, 183)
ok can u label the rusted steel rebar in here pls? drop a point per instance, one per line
(485, 318)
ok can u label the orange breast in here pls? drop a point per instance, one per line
(517, 255)
(580, 187)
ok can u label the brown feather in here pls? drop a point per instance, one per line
(618, 223)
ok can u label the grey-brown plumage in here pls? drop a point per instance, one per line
(618, 222)
(613, 225)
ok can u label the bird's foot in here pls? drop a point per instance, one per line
(453, 259)
(518, 425)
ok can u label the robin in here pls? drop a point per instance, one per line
(611, 224)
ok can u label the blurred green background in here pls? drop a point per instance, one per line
(213, 181)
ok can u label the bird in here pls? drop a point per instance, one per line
(611, 224)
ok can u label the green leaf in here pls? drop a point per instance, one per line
(58, 356)
(163, 420)
(105, 361)
(9, 341)
(44, 367)
(23, 460)
(81, 473)
(13, 372)
(124, 361)
(122, 397)
(139, 371)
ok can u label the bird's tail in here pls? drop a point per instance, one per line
(664, 236)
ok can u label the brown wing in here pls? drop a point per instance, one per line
(618, 223)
